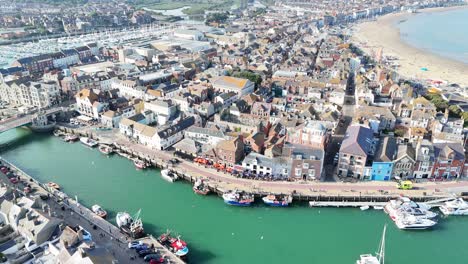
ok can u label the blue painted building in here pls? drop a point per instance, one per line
(382, 165)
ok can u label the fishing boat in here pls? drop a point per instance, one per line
(105, 149)
(200, 187)
(277, 200)
(455, 207)
(70, 138)
(169, 175)
(379, 258)
(132, 226)
(410, 222)
(53, 185)
(238, 198)
(174, 244)
(99, 211)
(139, 164)
(88, 142)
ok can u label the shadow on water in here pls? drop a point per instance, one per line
(197, 255)
(26, 136)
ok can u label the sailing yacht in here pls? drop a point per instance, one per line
(377, 259)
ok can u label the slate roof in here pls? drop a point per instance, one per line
(442, 150)
(173, 129)
(386, 150)
(357, 140)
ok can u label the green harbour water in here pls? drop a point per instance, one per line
(218, 233)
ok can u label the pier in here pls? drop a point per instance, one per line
(345, 204)
(77, 214)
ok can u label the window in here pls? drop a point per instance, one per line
(298, 172)
(306, 165)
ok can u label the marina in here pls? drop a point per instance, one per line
(245, 225)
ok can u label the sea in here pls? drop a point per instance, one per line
(221, 234)
(444, 33)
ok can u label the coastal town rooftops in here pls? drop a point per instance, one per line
(386, 150)
(207, 131)
(233, 83)
(173, 129)
(449, 151)
(87, 94)
(357, 140)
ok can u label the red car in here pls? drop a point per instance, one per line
(4, 169)
(14, 180)
(157, 261)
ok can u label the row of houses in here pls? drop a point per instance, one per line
(364, 156)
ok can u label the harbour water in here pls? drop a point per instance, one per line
(218, 233)
(444, 33)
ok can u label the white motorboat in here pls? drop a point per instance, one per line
(377, 207)
(364, 207)
(168, 175)
(379, 258)
(455, 207)
(416, 212)
(392, 208)
(410, 222)
(89, 142)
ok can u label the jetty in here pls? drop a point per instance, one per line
(83, 216)
(345, 204)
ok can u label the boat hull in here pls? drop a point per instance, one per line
(276, 204)
(236, 203)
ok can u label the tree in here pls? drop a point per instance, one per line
(454, 110)
(400, 132)
(174, 80)
(253, 77)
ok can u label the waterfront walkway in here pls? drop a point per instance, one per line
(226, 181)
(222, 181)
(104, 234)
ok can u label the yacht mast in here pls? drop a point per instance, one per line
(381, 253)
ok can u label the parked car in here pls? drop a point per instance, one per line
(152, 256)
(145, 252)
(14, 180)
(134, 244)
(156, 261)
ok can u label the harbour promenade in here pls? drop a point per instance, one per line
(104, 233)
(301, 190)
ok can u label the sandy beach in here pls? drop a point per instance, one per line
(383, 33)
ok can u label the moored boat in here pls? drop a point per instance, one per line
(200, 187)
(455, 207)
(238, 198)
(53, 185)
(277, 200)
(139, 164)
(364, 207)
(175, 244)
(394, 207)
(105, 149)
(88, 142)
(132, 226)
(70, 138)
(410, 222)
(99, 211)
(379, 258)
(169, 175)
